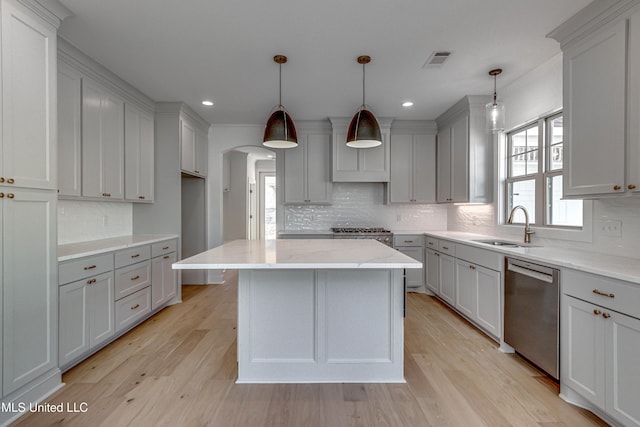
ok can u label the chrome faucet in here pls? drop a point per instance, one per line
(527, 228)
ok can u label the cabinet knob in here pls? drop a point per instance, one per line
(90, 282)
(11, 195)
(597, 312)
(473, 267)
(631, 187)
(197, 171)
(606, 315)
(616, 188)
(1, 195)
(10, 181)
(1, 179)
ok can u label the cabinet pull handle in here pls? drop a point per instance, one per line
(164, 248)
(11, 195)
(135, 306)
(430, 243)
(437, 254)
(197, 171)
(141, 197)
(408, 241)
(606, 315)
(473, 267)
(1, 195)
(631, 187)
(166, 257)
(616, 188)
(446, 248)
(10, 181)
(135, 277)
(135, 256)
(604, 294)
(597, 312)
(89, 282)
(91, 267)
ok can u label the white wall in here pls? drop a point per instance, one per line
(536, 94)
(235, 200)
(80, 221)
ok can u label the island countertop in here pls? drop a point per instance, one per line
(299, 254)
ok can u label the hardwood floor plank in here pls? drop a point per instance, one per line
(179, 369)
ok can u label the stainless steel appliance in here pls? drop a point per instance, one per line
(531, 313)
(378, 233)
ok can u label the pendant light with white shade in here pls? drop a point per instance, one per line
(495, 109)
(280, 132)
(364, 131)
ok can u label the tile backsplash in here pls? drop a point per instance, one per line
(362, 204)
(80, 221)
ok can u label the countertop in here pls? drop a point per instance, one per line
(617, 267)
(95, 247)
(299, 254)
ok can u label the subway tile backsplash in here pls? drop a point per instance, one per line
(362, 204)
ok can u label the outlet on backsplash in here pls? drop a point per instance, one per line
(398, 218)
(610, 227)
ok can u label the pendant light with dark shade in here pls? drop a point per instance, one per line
(280, 132)
(364, 131)
(495, 109)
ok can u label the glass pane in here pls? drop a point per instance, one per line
(532, 138)
(562, 212)
(532, 161)
(523, 156)
(523, 193)
(555, 142)
(555, 157)
(269, 207)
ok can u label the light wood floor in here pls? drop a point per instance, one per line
(179, 367)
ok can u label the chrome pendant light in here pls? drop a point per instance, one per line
(495, 109)
(364, 131)
(280, 132)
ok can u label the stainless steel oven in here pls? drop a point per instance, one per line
(531, 313)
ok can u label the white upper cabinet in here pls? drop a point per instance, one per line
(464, 154)
(601, 101)
(305, 169)
(27, 147)
(360, 164)
(194, 145)
(413, 166)
(102, 142)
(69, 128)
(139, 158)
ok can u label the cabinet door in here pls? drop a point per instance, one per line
(424, 168)
(594, 113)
(488, 312)
(318, 164)
(460, 160)
(401, 182)
(294, 168)
(139, 154)
(28, 59)
(447, 282)
(101, 309)
(582, 343)
(73, 335)
(433, 271)
(633, 178)
(466, 288)
(202, 153)
(443, 166)
(414, 276)
(102, 142)
(30, 286)
(187, 146)
(169, 276)
(69, 137)
(622, 369)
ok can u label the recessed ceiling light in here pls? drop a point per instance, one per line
(407, 104)
(207, 103)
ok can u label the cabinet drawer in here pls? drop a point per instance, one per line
(614, 294)
(132, 256)
(132, 278)
(71, 271)
(132, 308)
(447, 247)
(408, 240)
(483, 257)
(163, 248)
(432, 243)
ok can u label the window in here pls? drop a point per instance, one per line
(534, 175)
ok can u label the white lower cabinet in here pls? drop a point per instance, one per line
(478, 295)
(433, 271)
(600, 345)
(412, 245)
(163, 285)
(86, 315)
(447, 279)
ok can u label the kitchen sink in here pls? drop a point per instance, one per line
(502, 243)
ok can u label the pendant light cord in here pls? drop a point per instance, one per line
(280, 88)
(363, 104)
(495, 95)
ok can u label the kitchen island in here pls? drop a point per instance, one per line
(312, 311)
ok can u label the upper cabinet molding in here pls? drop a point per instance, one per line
(467, 103)
(51, 11)
(182, 108)
(410, 127)
(78, 60)
(595, 15)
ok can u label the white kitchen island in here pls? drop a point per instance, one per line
(312, 311)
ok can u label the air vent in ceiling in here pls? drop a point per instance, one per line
(436, 59)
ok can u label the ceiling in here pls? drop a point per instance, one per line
(191, 50)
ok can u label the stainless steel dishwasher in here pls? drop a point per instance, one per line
(531, 313)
